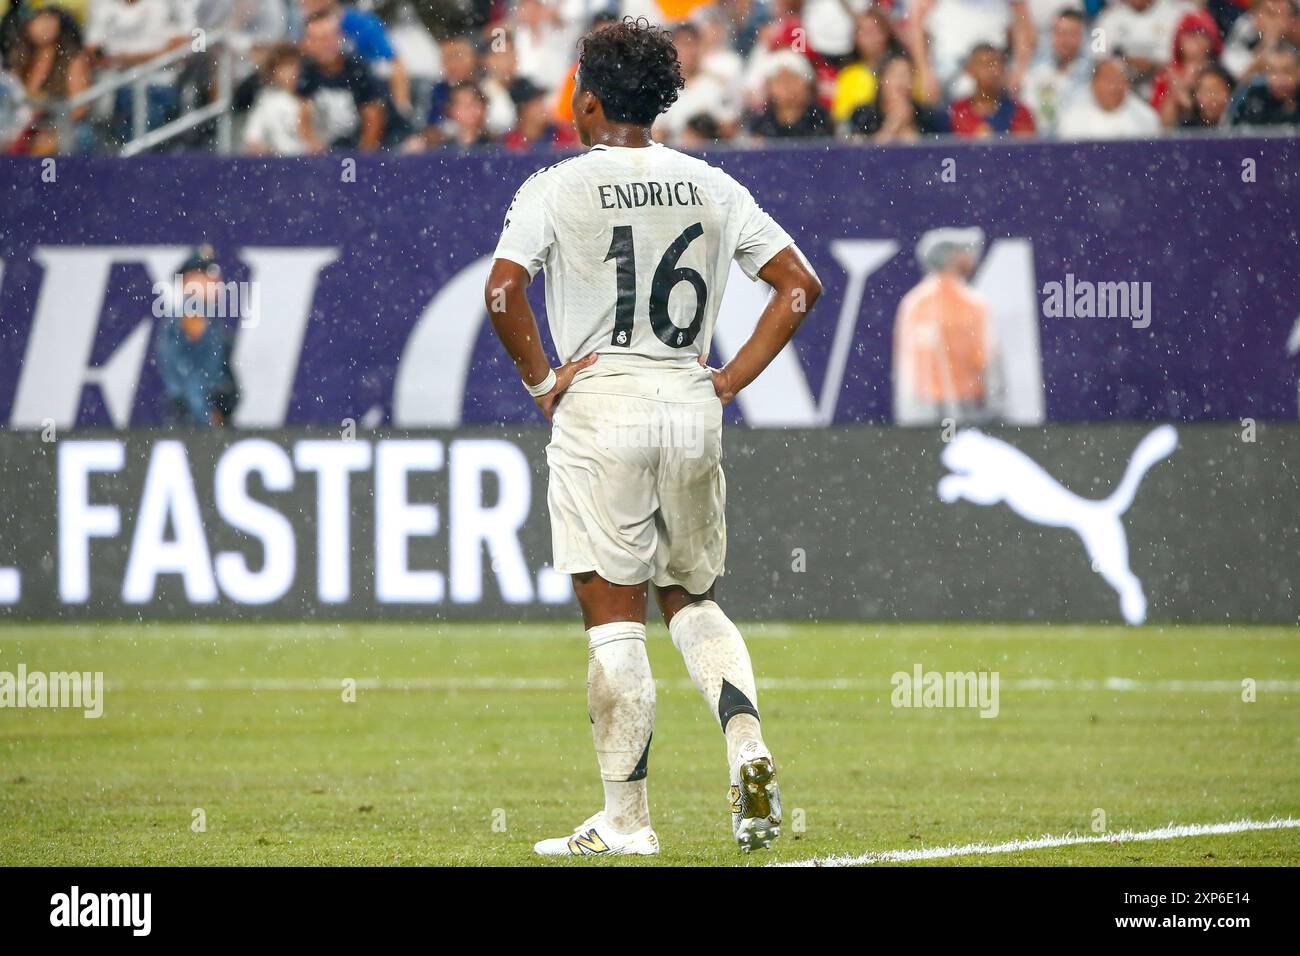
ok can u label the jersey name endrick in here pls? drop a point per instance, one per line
(636, 195)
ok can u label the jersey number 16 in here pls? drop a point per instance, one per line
(666, 278)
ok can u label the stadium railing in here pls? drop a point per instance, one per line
(217, 44)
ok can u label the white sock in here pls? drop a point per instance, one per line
(718, 662)
(621, 704)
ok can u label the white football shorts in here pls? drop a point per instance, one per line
(636, 490)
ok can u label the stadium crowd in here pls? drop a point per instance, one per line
(412, 75)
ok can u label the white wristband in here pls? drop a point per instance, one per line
(542, 387)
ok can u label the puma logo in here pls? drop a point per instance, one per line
(986, 470)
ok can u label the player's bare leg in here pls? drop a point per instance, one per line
(621, 705)
(719, 665)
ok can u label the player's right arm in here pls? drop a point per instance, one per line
(796, 287)
(516, 327)
(526, 239)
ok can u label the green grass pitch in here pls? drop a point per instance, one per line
(468, 742)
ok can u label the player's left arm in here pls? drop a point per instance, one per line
(512, 317)
(795, 289)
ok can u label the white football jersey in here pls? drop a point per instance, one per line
(637, 243)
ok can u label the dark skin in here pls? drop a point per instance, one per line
(795, 288)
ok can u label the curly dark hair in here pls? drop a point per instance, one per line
(632, 68)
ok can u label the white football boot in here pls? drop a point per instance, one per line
(595, 837)
(755, 798)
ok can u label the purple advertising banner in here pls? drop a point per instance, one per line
(1127, 281)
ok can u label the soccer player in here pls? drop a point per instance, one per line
(637, 240)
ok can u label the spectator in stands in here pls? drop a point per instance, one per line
(459, 65)
(544, 40)
(895, 116)
(782, 34)
(701, 132)
(1043, 15)
(830, 28)
(743, 19)
(1052, 83)
(1269, 24)
(717, 56)
(1112, 111)
(791, 110)
(1197, 46)
(1211, 92)
(466, 122)
(1226, 13)
(912, 37)
(192, 352)
(281, 122)
(126, 33)
(254, 28)
(1142, 33)
(874, 44)
(1271, 99)
(48, 60)
(365, 36)
(347, 98)
(536, 128)
(500, 70)
(703, 95)
(991, 110)
(957, 27)
(772, 68)
(944, 363)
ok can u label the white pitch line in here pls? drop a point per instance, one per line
(1171, 832)
(1130, 683)
(1118, 684)
(468, 630)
